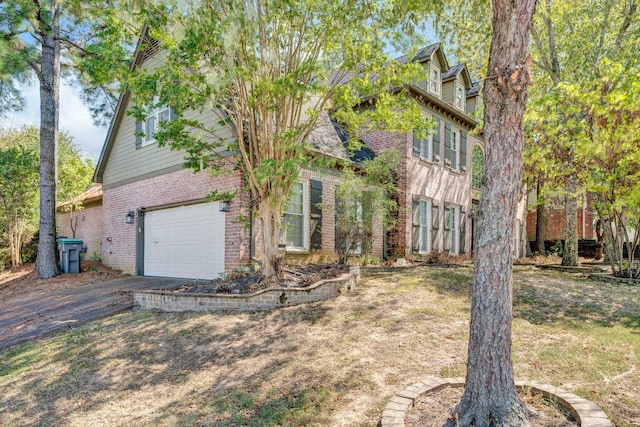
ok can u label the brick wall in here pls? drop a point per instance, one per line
(399, 239)
(432, 180)
(555, 223)
(119, 238)
(88, 224)
(266, 299)
(329, 179)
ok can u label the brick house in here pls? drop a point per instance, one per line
(555, 221)
(440, 177)
(157, 220)
(81, 217)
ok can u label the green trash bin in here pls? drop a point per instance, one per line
(69, 250)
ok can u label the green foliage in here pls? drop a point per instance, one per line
(365, 203)
(557, 248)
(19, 172)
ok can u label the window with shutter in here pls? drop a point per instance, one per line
(295, 223)
(451, 231)
(435, 227)
(421, 230)
(435, 140)
(145, 131)
(463, 151)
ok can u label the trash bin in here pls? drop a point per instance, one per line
(69, 250)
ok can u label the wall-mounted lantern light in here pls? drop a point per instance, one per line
(223, 206)
(129, 217)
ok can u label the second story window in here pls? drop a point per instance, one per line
(455, 148)
(145, 130)
(162, 114)
(434, 80)
(459, 97)
(428, 148)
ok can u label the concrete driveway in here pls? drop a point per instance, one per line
(26, 317)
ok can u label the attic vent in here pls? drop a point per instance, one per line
(152, 46)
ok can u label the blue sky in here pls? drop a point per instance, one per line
(75, 118)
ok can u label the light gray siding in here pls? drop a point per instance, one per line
(127, 164)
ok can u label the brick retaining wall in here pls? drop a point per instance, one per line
(266, 299)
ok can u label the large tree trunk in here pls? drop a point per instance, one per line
(540, 222)
(490, 397)
(570, 253)
(49, 102)
(270, 219)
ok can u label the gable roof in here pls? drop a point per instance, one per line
(426, 54)
(474, 90)
(91, 194)
(455, 71)
(139, 56)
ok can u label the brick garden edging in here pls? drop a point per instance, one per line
(585, 412)
(613, 279)
(265, 299)
(568, 269)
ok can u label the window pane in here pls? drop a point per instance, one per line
(294, 224)
(295, 205)
(294, 217)
(164, 115)
(150, 127)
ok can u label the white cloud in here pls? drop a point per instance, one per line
(75, 118)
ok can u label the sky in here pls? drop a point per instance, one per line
(75, 119)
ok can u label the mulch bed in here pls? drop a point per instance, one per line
(293, 276)
(434, 410)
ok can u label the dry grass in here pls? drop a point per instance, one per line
(334, 363)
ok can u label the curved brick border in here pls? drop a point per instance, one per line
(585, 412)
(613, 279)
(265, 299)
(567, 269)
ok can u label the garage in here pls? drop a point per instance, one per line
(184, 241)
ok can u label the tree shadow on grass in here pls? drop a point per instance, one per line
(164, 350)
(550, 297)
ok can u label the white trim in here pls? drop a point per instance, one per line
(157, 116)
(461, 106)
(305, 219)
(454, 242)
(438, 80)
(426, 224)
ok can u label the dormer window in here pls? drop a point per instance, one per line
(459, 97)
(434, 80)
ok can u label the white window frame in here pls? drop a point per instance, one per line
(459, 102)
(434, 82)
(305, 219)
(424, 222)
(155, 117)
(426, 148)
(454, 248)
(455, 142)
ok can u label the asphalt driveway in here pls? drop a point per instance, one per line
(26, 317)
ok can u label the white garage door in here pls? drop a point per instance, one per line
(186, 241)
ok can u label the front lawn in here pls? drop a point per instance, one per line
(334, 363)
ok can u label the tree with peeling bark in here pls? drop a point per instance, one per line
(269, 69)
(490, 397)
(37, 38)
